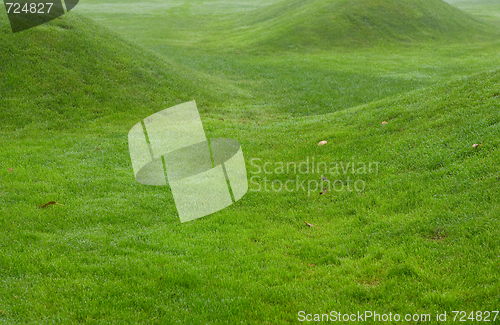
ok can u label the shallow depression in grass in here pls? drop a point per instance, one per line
(421, 237)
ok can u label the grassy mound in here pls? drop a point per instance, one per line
(61, 74)
(325, 23)
(421, 237)
(426, 225)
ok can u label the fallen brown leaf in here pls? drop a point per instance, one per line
(307, 223)
(385, 122)
(322, 143)
(11, 170)
(47, 204)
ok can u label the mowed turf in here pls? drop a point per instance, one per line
(310, 79)
(421, 237)
(321, 24)
(277, 26)
(67, 69)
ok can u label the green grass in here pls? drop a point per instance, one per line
(422, 237)
(277, 26)
(488, 10)
(306, 81)
(92, 61)
(322, 24)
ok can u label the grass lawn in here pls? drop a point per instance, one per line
(417, 233)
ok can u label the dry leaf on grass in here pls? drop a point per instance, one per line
(475, 145)
(322, 143)
(307, 223)
(11, 170)
(47, 204)
(384, 123)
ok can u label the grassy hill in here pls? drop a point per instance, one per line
(325, 23)
(61, 74)
(207, 36)
(421, 237)
(483, 9)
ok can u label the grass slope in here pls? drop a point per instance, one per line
(484, 9)
(280, 84)
(422, 237)
(61, 74)
(324, 23)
